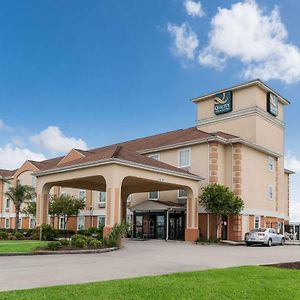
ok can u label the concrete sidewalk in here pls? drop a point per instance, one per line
(137, 258)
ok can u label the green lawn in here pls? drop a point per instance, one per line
(20, 246)
(234, 283)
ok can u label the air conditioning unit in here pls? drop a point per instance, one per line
(101, 204)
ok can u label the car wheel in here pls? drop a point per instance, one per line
(269, 242)
(282, 242)
(248, 244)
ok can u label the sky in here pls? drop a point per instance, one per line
(89, 73)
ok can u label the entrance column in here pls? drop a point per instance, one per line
(113, 203)
(192, 226)
(42, 205)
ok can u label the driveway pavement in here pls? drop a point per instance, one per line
(135, 259)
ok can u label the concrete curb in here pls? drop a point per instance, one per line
(41, 252)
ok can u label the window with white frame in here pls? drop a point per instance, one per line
(7, 204)
(31, 223)
(182, 194)
(62, 223)
(153, 195)
(129, 198)
(20, 223)
(82, 194)
(184, 158)
(256, 222)
(33, 181)
(270, 192)
(80, 222)
(7, 223)
(271, 163)
(101, 221)
(102, 199)
(155, 156)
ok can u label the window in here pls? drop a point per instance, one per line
(271, 163)
(7, 223)
(101, 221)
(129, 198)
(184, 158)
(20, 223)
(270, 192)
(82, 194)
(31, 223)
(102, 199)
(155, 156)
(182, 194)
(257, 222)
(62, 223)
(33, 181)
(153, 195)
(7, 204)
(80, 222)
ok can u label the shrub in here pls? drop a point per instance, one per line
(48, 233)
(80, 243)
(117, 232)
(64, 242)
(82, 232)
(3, 235)
(18, 235)
(54, 245)
(77, 237)
(95, 243)
(65, 233)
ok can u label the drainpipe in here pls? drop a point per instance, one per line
(167, 231)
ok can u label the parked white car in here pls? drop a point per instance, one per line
(264, 236)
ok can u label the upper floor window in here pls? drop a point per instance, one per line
(102, 199)
(7, 204)
(182, 194)
(153, 195)
(270, 192)
(82, 194)
(256, 222)
(155, 156)
(33, 181)
(271, 163)
(184, 158)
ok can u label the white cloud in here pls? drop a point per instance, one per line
(13, 157)
(291, 162)
(193, 8)
(185, 40)
(3, 125)
(257, 39)
(53, 140)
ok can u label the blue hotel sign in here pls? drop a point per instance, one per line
(223, 103)
(272, 104)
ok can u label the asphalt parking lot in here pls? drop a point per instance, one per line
(135, 259)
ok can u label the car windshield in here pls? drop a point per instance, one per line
(258, 230)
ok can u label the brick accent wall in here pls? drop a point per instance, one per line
(237, 169)
(213, 162)
(276, 186)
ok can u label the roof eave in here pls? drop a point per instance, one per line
(240, 86)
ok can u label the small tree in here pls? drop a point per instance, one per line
(54, 207)
(19, 194)
(219, 200)
(66, 206)
(30, 209)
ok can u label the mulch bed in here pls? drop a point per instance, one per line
(290, 265)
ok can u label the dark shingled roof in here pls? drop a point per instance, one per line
(7, 173)
(128, 150)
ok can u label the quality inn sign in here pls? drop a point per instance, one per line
(223, 103)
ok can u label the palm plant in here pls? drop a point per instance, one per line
(18, 195)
